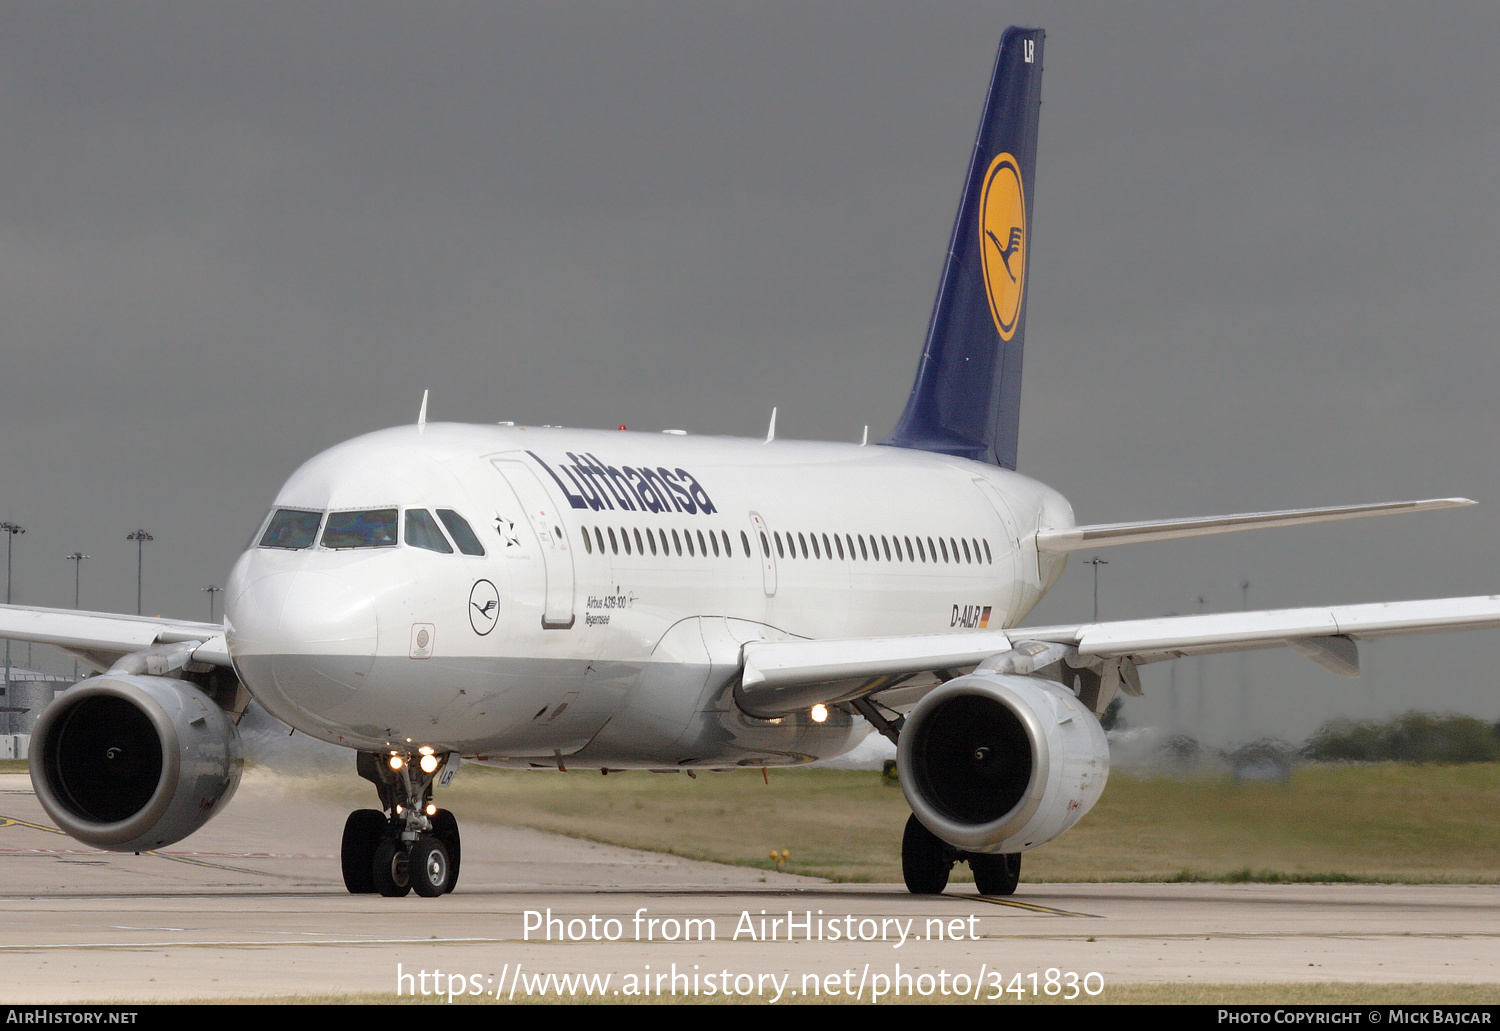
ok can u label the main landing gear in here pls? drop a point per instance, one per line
(926, 861)
(412, 844)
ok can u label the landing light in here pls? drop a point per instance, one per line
(819, 712)
(396, 762)
(431, 809)
(429, 763)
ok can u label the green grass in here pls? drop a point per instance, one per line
(1376, 823)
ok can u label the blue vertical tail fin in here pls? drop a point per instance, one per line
(967, 397)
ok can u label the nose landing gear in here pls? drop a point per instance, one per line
(412, 844)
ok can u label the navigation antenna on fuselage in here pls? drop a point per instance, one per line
(422, 414)
(771, 431)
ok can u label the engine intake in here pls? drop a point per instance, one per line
(1001, 763)
(131, 763)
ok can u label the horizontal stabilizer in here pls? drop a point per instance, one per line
(1104, 535)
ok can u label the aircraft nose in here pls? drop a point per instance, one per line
(307, 638)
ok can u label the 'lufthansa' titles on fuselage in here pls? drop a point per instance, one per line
(597, 486)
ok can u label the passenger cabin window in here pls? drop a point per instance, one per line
(291, 529)
(461, 532)
(422, 532)
(373, 529)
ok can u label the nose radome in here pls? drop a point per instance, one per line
(327, 615)
(308, 636)
(302, 613)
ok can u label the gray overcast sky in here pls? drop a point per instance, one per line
(1266, 251)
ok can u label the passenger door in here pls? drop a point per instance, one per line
(546, 522)
(762, 543)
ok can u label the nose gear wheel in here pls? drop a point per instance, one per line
(404, 848)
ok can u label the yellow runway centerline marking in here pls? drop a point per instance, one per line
(11, 821)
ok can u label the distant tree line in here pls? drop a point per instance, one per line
(1413, 737)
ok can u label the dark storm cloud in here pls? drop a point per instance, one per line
(234, 234)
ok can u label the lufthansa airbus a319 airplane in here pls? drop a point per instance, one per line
(537, 597)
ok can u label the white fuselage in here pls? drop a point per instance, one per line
(622, 573)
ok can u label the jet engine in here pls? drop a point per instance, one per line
(1001, 763)
(130, 763)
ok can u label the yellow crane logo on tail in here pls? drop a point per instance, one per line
(1002, 241)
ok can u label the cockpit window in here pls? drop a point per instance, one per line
(291, 529)
(422, 532)
(375, 529)
(463, 536)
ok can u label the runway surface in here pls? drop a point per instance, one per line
(253, 905)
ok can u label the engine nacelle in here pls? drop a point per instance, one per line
(131, 763)
(1001, 763)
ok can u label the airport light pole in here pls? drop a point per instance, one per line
(1096, 562)
(77, 559)
(140, 537)
(1202, 727)
(212, 590)
(1245, 664)
(1172, 688)
(11, 529)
